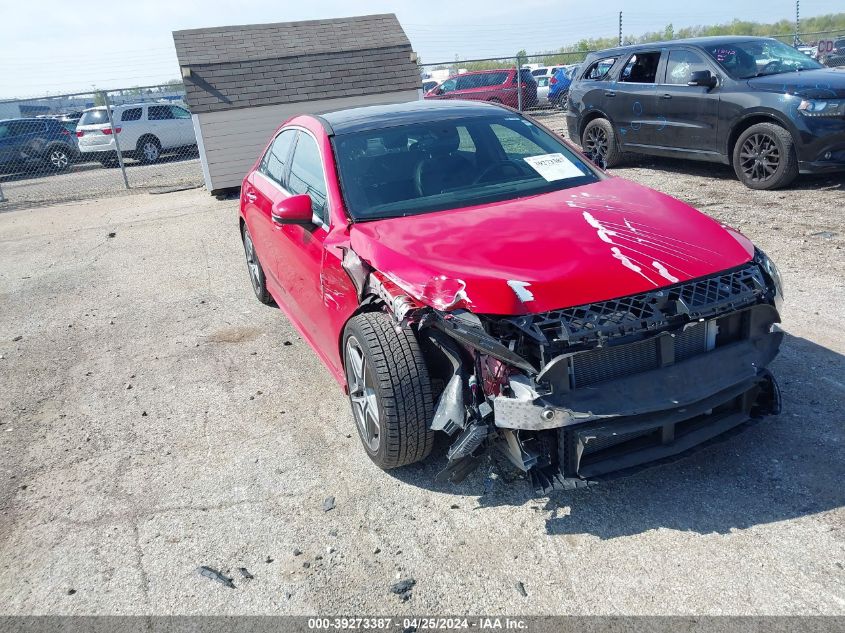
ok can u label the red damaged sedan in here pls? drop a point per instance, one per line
(460, 269)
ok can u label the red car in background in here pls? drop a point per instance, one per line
(460, 269)
(498, 86)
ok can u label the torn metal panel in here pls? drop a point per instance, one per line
(450, 414)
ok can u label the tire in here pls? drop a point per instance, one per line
(387, 374)
(256, 272)
(764, 157)
(599, 139)
(148, 149)
(58, 157)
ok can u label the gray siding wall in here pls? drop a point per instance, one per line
(233, 139)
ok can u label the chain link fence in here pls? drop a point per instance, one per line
(87, 145)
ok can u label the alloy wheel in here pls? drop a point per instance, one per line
(252, 262)
(59, 159)
(363, 395)
(150, 151)
(759, 157)
(595, 142)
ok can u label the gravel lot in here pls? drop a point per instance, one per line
(154, 418)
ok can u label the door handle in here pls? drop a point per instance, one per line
(250, 196)
(666, 96)
(609, 93)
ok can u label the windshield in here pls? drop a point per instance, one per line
(757, 58)
(430, 166)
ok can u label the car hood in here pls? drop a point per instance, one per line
(591, 243)
(822, 83)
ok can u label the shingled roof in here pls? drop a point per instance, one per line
(263, 64)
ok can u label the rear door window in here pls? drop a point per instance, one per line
(131, 114)
(306, 175)
(159, 113)
(20, 128)
(681, 64)
(641, 68)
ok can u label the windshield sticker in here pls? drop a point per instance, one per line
(554, 166)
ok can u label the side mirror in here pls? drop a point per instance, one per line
(293, 210)
(702, 78)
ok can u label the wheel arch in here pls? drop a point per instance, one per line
(753, 118)
(588, 118)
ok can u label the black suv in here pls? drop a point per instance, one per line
(751, 102)
(45, 142)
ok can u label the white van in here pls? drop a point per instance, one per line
(143, 130)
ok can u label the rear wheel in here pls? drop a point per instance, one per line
(58, 157)
(599, 141)
(256, 272)
(149, 149)
(764, 157)
(389, 390)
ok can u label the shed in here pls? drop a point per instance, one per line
(242, 82)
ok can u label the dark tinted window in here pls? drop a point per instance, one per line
(428, 166)
(495, 79)
(4, 129)
(276, 159)
(132, 114)
(641, 68)
(17, 128)
(306, 174)
(180, 113)
(681, 65)
(159, 113)
(599, 68)
(94, 117)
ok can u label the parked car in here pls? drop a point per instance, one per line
(428, 85)
(460, 269)
(543, 90)
(753, 103)
(836, 57)
(144, 131)
(498, 86)
(559, 85)
(545, 71)
(38, 142)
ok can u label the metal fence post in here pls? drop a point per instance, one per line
(518, 84)
(116, 140)
(2, 197)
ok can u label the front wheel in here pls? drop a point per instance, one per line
(256, 272)
(764, 157)
(599, 141)
(389, 390)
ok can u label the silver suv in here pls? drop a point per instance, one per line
(143, 130)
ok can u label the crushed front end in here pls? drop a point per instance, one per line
(576, 394)
(579, 393)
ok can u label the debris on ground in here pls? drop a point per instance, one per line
(268, 560)
(245, 573)
(297, 551)
(16, 339)
(328, 504)
(521, 589)
(403, 588)
(213, 574)
(306, 565)
(112, 234)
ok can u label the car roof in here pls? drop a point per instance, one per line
(29, 119)
(713, 40)
(382, 116)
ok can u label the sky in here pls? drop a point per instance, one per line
(58, 46)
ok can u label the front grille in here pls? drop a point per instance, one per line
(692, 300)
(609, 363)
